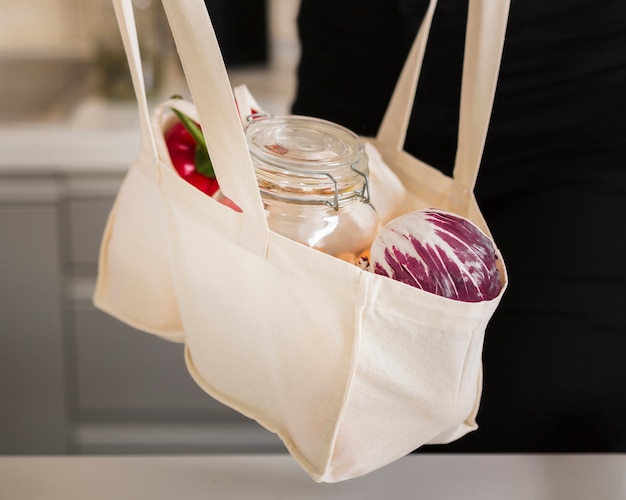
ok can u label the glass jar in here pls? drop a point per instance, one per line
(313, 178)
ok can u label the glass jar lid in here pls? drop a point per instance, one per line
(307, 160)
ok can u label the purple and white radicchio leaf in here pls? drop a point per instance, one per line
(438, 252)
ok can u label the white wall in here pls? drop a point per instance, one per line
(27, 25)
(41, 25)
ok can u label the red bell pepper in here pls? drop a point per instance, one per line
(189, 154)
(190, 157)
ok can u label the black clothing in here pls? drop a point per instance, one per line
(552, 187)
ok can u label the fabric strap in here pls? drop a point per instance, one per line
(486, 28)
(126, 21)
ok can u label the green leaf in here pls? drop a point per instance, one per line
(201, 156)
(191, 127)
(203, 162)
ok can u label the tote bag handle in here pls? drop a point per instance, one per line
(210, 87)
(484, 42)
(126, 21)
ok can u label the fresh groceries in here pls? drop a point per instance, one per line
(438, 252)
(190, 157)
(189, 154)
(313, 178)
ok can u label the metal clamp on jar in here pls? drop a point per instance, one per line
(313, 178)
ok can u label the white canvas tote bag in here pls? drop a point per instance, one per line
(351, 369)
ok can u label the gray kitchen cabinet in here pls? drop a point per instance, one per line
(72, 378)
(32, 375)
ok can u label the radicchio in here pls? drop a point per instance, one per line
(438, 252)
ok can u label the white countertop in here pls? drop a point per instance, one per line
(260, 477)
(98, 135)
(103, 135)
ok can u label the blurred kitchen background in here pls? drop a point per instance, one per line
(73, 380)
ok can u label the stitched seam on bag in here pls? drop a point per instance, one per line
(294, 451)
(359, 309)
(102, 275)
